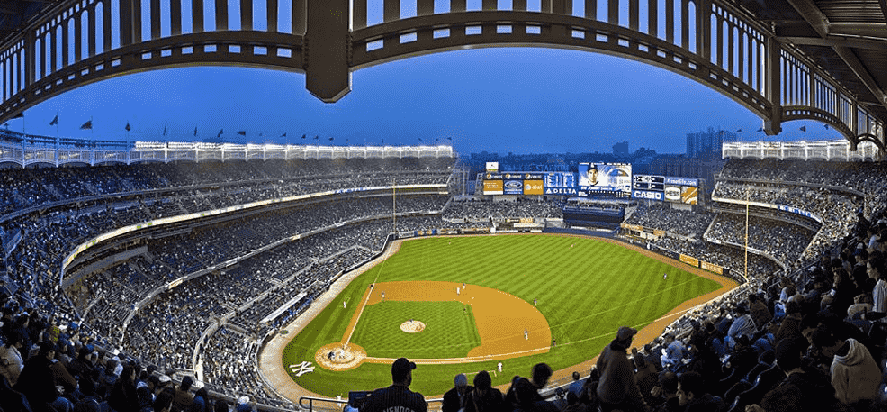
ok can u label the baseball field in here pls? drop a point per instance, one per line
(463, 304)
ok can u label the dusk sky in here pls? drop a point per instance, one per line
(523, 100)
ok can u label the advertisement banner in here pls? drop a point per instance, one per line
(534, 176)
(646, 194)
(711, 267)
(689, 260)
(493, 176)
(689, 195)
(682, 181)
(514, 187)
(534, 187)
(492, 166)
(673, 194)
(493, 187)
(636, 228)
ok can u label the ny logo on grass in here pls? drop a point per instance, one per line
(302, 368)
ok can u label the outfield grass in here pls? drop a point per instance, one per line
(449, 332)
(585, 288)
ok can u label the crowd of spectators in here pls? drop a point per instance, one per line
(50, 211)
(782, 241)
(475, 210)
(661, 216)
(806, 338)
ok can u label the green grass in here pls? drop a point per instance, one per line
(449, 332)
(585, 293)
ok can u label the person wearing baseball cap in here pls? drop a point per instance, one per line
(397, 397)
(617, 389)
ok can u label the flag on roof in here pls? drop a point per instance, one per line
(220, 133)
(283, 135)
(242, 133)
(87, 125)
(55, 120)
(195, 131)
(128, 127)
(803, 128)
(331, 139)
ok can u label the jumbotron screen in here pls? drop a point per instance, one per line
(605, 178)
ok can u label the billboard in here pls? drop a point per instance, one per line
(646, 194)
(513, 187)
(560, 184)
(610, 178)
(682, 190)
(534, 187)
(689, 195)
(492, 166)
(493, 187)
(673, 194)
(682, 181)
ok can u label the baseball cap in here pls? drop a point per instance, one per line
(625, 333)
(401, 367)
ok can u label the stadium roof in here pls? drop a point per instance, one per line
(846, 38)
(16, 14)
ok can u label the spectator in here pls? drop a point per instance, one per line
(528, 399)
(454, 399)
(541, 373)
(692, 394)
(123, 396)
(855, 374)
(11, 362)
(37, 383)
(183, 400)
(617, 389)
(577, 384)
(483, 397)
(674, 353)
(398, 394)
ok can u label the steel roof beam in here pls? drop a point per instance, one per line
(820, 23)
(835, 41)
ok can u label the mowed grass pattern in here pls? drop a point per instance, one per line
(449, 332)
(585, 288)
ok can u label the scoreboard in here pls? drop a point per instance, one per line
(648, 187)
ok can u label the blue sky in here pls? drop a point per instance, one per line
(523, 100)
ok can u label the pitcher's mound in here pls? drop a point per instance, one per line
(337, 357)
(412, 326)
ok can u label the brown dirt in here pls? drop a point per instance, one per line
(509, 342)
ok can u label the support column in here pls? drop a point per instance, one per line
(327, 75)
(773, 125)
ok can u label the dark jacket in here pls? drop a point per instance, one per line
(488, 401)
(617, 385)
(37, 382)
(451, 401)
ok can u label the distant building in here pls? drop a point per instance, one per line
(620, 149)
(707, 144)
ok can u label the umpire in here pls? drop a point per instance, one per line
(398, 397)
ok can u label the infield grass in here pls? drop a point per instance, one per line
(449, 333)
(585, 288)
